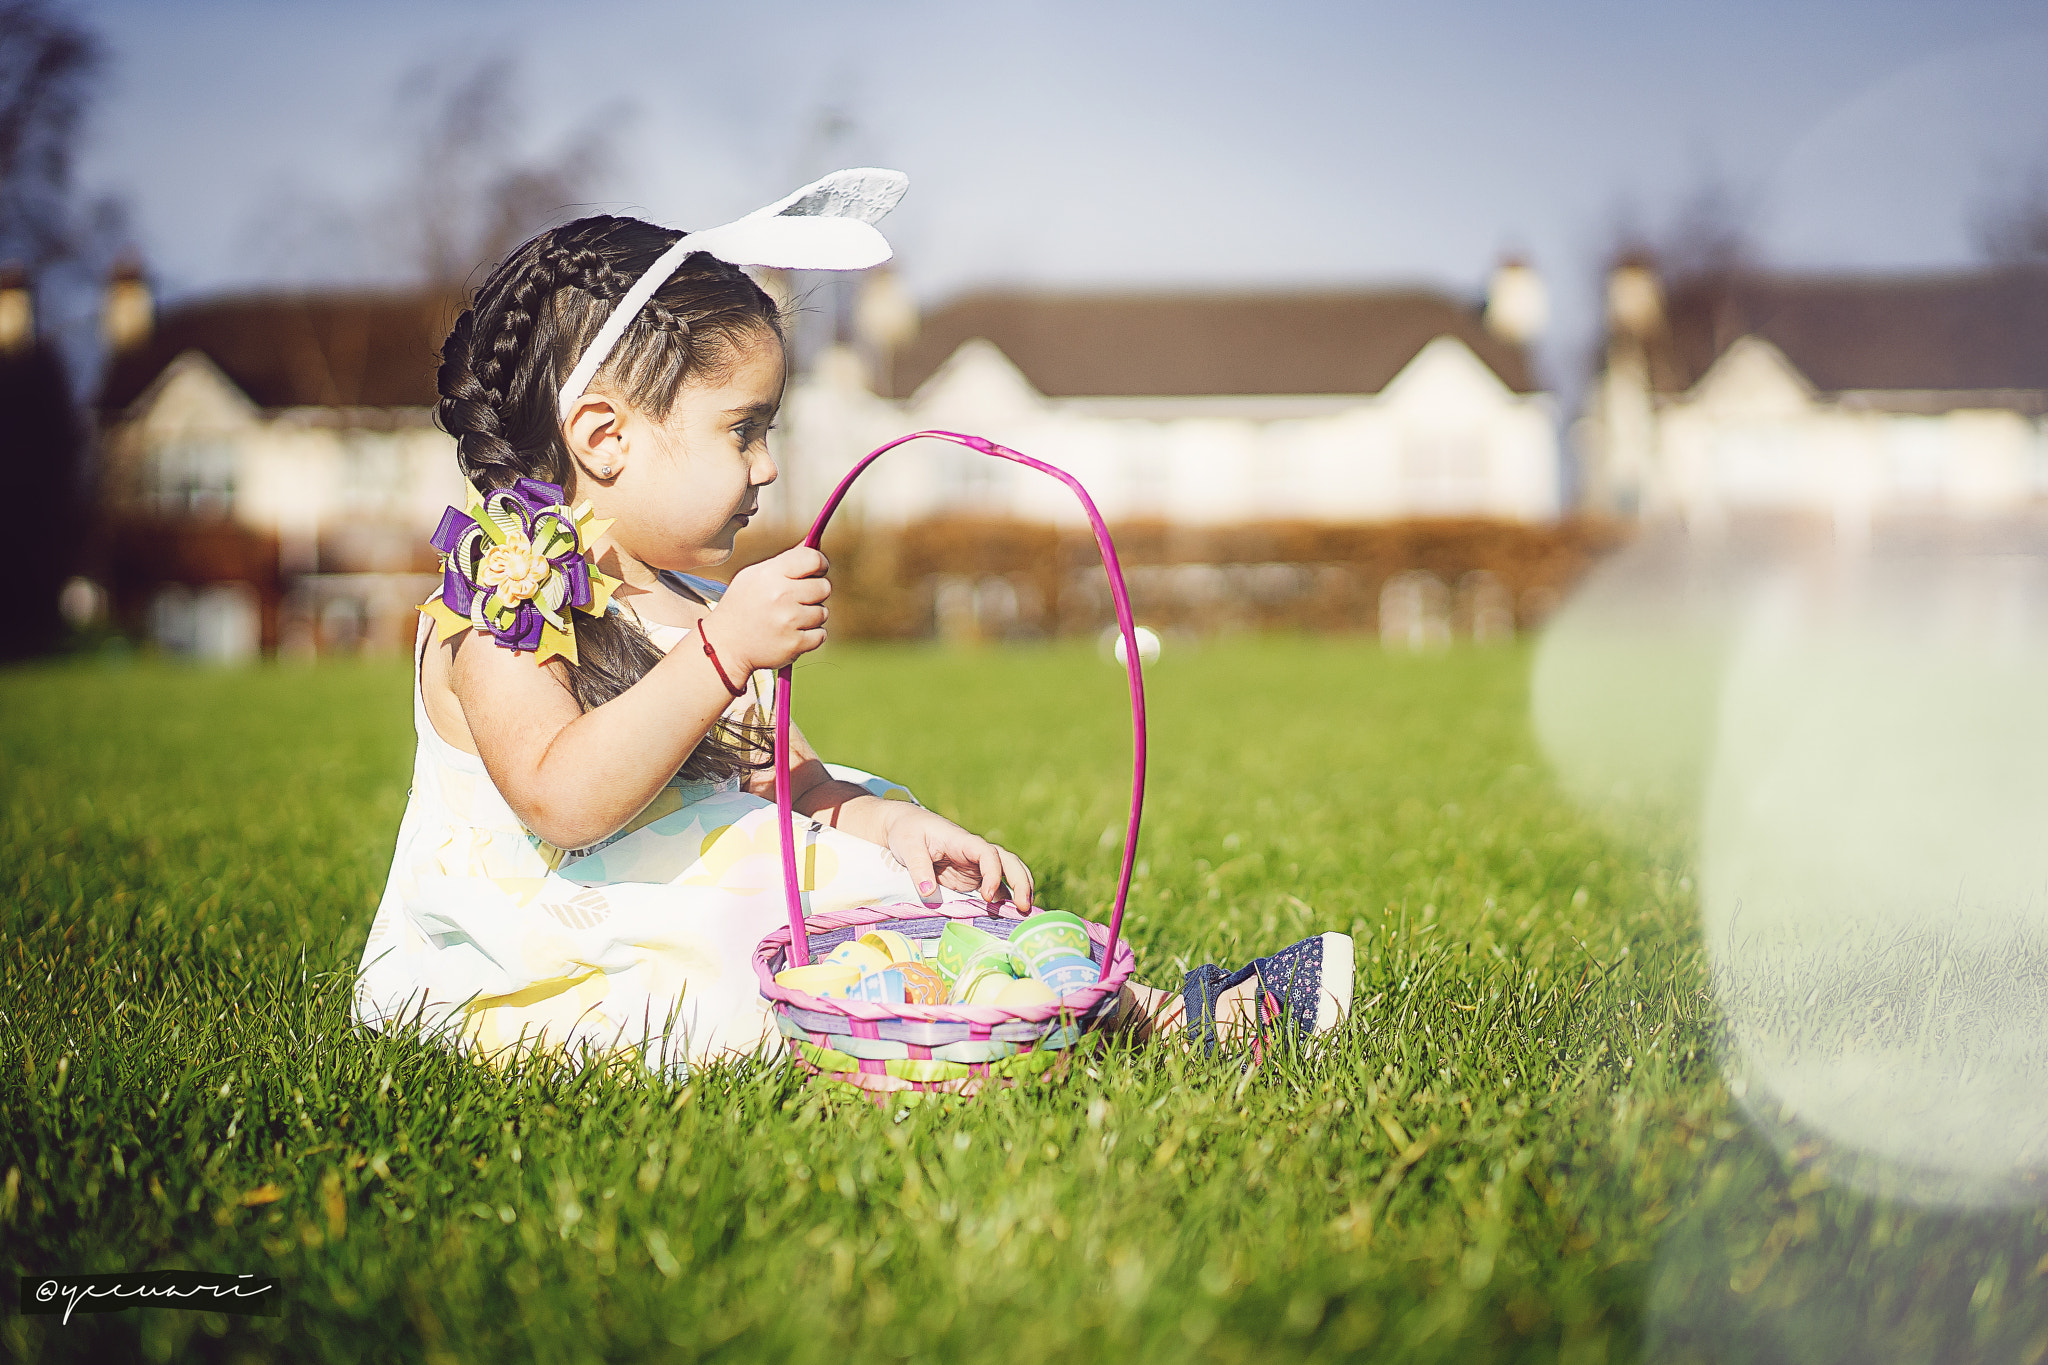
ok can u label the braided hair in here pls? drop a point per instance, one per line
(508, 355)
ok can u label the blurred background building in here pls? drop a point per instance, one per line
(1839, 331)
(1206, 409)
(266, 464)
(1336, 459)
(1840, 400)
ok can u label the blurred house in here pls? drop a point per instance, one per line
(1190, 409)
(269, 469)
(1845, 399)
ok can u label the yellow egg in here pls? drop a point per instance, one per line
(980, 986)
(890, 944)
(821, 978)
(1023, 994)
(859, 956)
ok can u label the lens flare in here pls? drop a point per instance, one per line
(1858, 747)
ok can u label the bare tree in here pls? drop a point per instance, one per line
(47, 67)
(1712, 232)
(464, 188)
(2011, 221)
(53, 244)
(467, 195)
(1708, 234)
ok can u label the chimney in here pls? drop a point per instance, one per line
(1517, 302)
(886, 319)
(129, 310)
(1635, 299)
(17, 311)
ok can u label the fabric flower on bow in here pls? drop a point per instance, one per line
(515, 565)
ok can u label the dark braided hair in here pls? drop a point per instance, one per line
(502, 370)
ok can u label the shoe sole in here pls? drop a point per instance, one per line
(1333, 1001)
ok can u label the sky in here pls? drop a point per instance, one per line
(1106, 145)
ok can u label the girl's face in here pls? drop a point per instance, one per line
(690, 481)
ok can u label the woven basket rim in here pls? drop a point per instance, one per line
(1071, 1005)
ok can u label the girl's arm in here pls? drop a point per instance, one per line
(575, 776)
(932, 849)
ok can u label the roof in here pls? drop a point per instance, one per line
(1072, 345)
(1979, 332)
(300, 350)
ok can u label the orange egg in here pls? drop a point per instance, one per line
(922, 983)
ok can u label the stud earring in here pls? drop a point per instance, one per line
(605, 473)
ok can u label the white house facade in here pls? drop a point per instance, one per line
(1849, 401)
(1198, 410)
(270, 469)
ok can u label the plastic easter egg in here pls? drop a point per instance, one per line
(1065, 974)
(1025, 993)
(959, 942)
(996, 957)
(885, 987)
(858, 956)
(978, 985)
(921, 982)
(1047, 935)
(820, 978)
(1148, 647)
(984, 986)
(890, 944)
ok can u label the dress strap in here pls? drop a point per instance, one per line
(422, 723)
(424, 641)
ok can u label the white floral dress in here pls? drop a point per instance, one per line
(641, 945)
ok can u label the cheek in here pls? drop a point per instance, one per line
(708, 503)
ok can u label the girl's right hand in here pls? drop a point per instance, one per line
(773, 611)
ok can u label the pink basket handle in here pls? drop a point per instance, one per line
(799, 943)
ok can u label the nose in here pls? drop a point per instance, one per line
(763, 471)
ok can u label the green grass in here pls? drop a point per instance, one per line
(1520, 1148)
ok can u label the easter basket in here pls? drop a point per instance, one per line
(902, 1047)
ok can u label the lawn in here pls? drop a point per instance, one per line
(1520, 1147)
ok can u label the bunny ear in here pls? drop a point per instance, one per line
(795, 243)
(826, 225)
(865, 193)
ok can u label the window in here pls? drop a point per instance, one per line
(193, 478)
(1444, 472)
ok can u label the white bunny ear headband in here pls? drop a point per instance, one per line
(826, 225)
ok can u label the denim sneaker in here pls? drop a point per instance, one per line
(1310, 982)
(1200, 991)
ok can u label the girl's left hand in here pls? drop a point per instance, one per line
(938, 852)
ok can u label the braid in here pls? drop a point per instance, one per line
(469, 407)
(590, 270)
(585, 267)
(503, 364)
(479, 372)
(667, 322)
(512, 332)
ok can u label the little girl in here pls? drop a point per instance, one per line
(590, 852)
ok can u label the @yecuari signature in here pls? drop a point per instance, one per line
(200, 1291)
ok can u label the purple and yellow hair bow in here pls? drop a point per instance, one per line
(515, 566)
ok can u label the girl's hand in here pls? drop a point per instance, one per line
(773, 611)
(936, 851)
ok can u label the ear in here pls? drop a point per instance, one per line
(596, 434)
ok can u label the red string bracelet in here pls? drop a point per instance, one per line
(709, 654)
